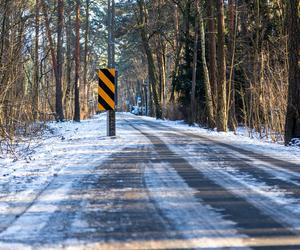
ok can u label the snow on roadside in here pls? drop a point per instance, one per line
(65, 146)
(240, 140)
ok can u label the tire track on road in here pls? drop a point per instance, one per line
(234, 206)
(129, 214)
(250, 219)
(243, 164)
(294, 167)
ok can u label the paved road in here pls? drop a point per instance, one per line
(172, 190)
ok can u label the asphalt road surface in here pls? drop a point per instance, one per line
(172, 190)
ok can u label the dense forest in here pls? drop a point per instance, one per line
(49, 53)
(221, 64)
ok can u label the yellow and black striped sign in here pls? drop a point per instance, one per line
(107, 89)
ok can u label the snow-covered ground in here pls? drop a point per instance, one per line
(67, 151)
(63, 148)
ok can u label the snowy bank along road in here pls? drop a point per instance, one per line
(157, 185)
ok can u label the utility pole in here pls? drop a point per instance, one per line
(111, 115)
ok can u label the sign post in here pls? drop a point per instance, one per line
(111, 115)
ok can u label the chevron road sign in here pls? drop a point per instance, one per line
(106, 89)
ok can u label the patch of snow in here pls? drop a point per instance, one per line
(67, 149)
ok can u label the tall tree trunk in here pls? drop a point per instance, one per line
(292, 126)
(161, 64)
(187, 38)
(52, 50)
(69, 46)
(85, 57)
(164, 75)
(212, 50)
(4, 33)
(207, 84)
(151, 65)
(35, 92)
(222, 100)
(178, 48)
(192, 117)
(77, 63)
(232, 122)
(58, 99)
